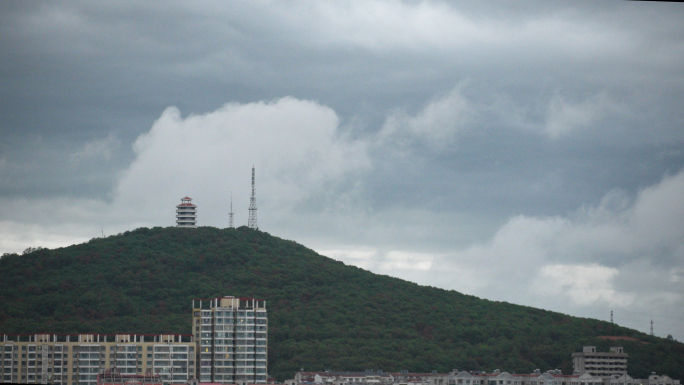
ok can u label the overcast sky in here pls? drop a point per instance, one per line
(529, 152)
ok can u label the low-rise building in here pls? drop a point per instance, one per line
(663, 379)
(600, 364)
(80, 358)
(455, 377)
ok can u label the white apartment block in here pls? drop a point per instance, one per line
(232, 336)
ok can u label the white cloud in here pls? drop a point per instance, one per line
(564, 117)
(299, 151)
(621, 254)
(583, 284)
(436, 126)
(16, 237)
(96, 149)
(396, 263)
(423, 27)
(295, 145)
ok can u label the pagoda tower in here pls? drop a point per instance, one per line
(186, 213)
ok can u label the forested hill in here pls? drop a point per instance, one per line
(322, 313)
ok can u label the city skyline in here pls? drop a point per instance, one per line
(530, 153)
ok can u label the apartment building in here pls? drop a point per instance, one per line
(363, 378)
(453, 378)
(78, 359)
(232, 339)
(600, 364)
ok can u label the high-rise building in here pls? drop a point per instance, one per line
(600, 364)
(186, 213)
(229, 345)
(78, 359)
(232, 339)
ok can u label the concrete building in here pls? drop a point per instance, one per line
(186, 213)
(232, 338)
(455, 377)
(600, 364)
(362, 378)
(662, 379)
(624, 379)
(228, 345)
(78, 359)
(111, 377)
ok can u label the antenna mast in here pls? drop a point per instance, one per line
(651, 326)
(230, 214)
(252, 222)
(611, 316)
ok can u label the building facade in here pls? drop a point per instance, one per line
(600, 364)
(497, 377)
(232, 339)
(78, 359)
(228, 345)
(186, 213)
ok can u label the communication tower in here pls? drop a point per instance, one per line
(252, 222)
(230, 214)
(651, 326)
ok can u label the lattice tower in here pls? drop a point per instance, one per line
(231, 214)
(252, 222)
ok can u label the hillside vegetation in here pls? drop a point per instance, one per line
(322, 314)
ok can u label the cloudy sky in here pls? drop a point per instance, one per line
(530, 152)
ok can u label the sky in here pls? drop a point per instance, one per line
(528, 152)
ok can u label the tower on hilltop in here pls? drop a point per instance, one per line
(231, 224)
(186, 213)
(252, 222)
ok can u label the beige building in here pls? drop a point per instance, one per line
(600, 364)
(77, 359)
(228, 345)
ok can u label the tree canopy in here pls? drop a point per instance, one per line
(323, 314)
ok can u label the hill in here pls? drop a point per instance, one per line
(322, 313)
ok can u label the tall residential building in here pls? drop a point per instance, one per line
(78, 359)
(186, 213)
(600, 364)
(232, 338)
